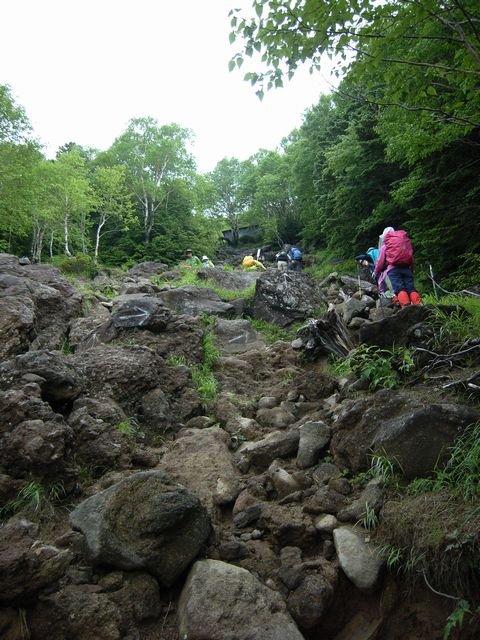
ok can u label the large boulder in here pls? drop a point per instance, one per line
(36, 304)
(400, 426)
(230, 280)
(145, 521)
(396, 330)
(143, 313)
(285, 297)
(60, 380)
(33, 438)
(193, 301)
(122, 372)
(223, 602)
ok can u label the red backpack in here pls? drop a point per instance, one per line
(398, 248)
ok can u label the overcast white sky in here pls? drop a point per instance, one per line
(83, 68)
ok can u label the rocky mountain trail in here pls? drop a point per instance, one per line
(167, 472)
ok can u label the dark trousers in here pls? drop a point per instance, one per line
(401, 279)
(295, 265)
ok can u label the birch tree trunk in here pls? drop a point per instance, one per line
(98, 235)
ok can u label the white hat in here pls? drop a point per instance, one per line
(385, 231)
(204, 257)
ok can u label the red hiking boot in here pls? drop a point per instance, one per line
(415, 298)
(403, 298)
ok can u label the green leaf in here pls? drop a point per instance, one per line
(260, 93)
(431, 91)
(239, 61)
(231, 65)
(259, 10)
(232, 37)
(278, 82)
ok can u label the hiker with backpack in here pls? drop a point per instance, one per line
(282, 260)
(295, 259)
(368, 259)
(250, 264)
(395, 260)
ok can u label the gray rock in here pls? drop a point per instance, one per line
(230, 280)
(351, 285)
(356, 323)
(147, 268)
(360, 561)
(283, 482)
(284, 297)
(144, 522)
(400, 426)
(276, 418)
(201, 461)
(325, 523)
(372, 496)
(267, 402)
(261, 453)
(314, 437)
(223, 602)
(353, 308)
(36, 305)
(236, 336)
(142, 313)
(308, 602)
(193, 301)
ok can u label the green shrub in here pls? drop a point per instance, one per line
(381, 368)
(79, 265)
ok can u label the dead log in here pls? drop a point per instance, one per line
(326, 335)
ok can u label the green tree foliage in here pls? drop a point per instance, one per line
(112, 203)
(154, 157)
(230, 195)
(18, 156)
(397, 144)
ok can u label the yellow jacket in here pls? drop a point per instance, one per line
(249, 262)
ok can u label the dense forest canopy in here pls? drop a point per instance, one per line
(396, 144)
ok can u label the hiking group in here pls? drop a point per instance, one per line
(391, 265)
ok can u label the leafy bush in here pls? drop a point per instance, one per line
(381, 368)
(79, 265)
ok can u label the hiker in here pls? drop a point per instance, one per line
(282, 260)
(295, 259)
(191, 260)
(250, 264)
(368, 259)
(207, 263)
(395, 260)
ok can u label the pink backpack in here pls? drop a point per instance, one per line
(398, 248)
